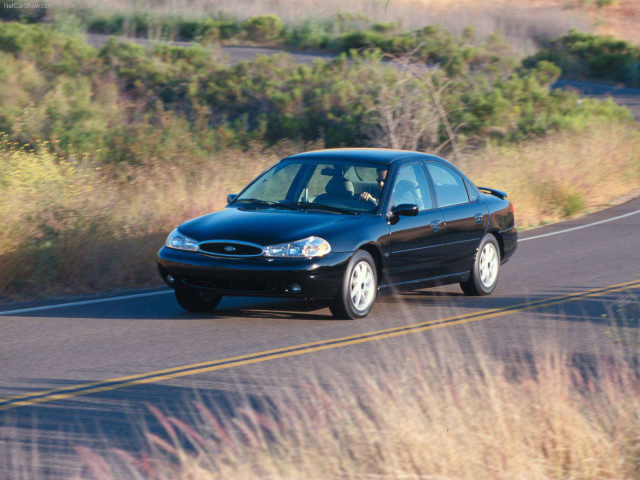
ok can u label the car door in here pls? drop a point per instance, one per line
(416, 242)
(465, 216)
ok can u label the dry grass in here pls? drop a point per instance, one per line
(415, 417)
(74, 228)
(563, 174)
(620, 19)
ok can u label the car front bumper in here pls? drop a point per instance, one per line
(316, 278)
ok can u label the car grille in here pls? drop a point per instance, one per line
(226, 284)
(230, 249)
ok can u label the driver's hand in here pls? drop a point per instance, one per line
(367, 197)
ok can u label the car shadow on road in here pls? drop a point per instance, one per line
(435, 302)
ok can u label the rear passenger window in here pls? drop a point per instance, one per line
(449, 186)
(411, 187)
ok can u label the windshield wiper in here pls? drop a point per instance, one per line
(321, 206)
(268, 203)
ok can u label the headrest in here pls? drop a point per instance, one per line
(406, 186)
(339, 186)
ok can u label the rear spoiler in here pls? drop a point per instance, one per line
(494, 192)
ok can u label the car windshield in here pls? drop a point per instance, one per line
(330, 186)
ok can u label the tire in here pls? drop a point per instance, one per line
(359, 288)
(194, 300)
(486, 268)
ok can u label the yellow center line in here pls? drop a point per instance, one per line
(300, 349)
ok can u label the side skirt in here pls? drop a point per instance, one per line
(387, 289)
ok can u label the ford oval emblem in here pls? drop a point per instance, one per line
(229, 248)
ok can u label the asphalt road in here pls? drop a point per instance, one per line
(82, 371)
(629, 97)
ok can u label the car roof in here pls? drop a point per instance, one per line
(376, 155)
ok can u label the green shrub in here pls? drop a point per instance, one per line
(263, 28)
(107, 24)
(207, 32)
(361, 40)
(386, 27)
(583, 56)
(309, 35)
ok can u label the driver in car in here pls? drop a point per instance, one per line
(375, 196)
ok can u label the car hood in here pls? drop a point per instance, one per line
(270, 226)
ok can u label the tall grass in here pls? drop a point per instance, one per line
(72, 227)
(563, 174)
(413, 416)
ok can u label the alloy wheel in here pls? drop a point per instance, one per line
(362, 286)
(489, 264)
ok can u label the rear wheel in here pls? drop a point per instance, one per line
(486, 268)
(194, 300)
(359, 288)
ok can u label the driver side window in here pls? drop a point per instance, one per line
(411, 186)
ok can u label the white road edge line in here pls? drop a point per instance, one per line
(580, 227)
(164, 292)
(85, 302)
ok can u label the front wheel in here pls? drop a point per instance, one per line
(359, 288)
(194, 300)
(486, 267)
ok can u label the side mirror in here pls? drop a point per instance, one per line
(231, 197)
(404, 209)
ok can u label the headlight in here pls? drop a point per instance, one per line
(308, 247)
(181, 242)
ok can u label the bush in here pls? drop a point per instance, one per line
(584, 56)
(107, 24)
(263, 28)
(309, 35)
(361, 40)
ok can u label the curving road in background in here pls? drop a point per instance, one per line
(82, 372)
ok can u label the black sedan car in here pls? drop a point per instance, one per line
(345, 225)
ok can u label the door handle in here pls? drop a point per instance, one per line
(435, 225)
(479, 217)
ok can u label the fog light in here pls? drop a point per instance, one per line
(295, 288)
(170, 280)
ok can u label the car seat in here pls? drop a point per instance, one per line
(338, 188)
